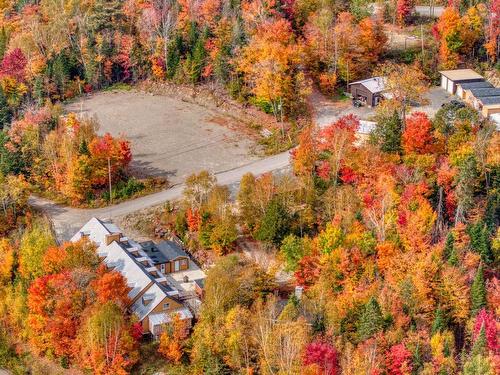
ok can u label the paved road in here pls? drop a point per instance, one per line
(67, 220)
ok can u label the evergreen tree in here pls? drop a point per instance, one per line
(453, 258)
(10, 162)
(480, 242)
(439, 323)
(480, 345)
(5, 111)
(478, 365)
(4, 40)
(198, 59)
(388, 133)
(478, 291)
(275, 224)
(371, 320)
(449, 246)
(492, 214)
(83, 149)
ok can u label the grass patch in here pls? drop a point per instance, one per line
(119, 86)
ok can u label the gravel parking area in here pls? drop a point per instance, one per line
(170, 138)
(435, 98)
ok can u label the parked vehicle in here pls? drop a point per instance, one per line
(357, 103)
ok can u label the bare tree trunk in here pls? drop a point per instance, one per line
(439, 225)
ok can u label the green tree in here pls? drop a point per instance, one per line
(453, 258)
(371, 321)
(478, 365)
(439, 323)
(34, 243)
(275, 224)
(478, 291)
(480, 242)
(480, 345)
(449, 245)
(4, 40)
(245, 201)
(292, 249)
(387, 134)
(5, 111)
(10, 162)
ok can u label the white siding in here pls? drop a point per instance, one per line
(444, 82)
(450, 86)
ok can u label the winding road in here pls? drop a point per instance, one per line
(67, 220)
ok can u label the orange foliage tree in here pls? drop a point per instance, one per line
(172, 339)
(417, 136)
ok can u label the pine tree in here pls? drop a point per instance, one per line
(449, 246)
(453, 258)
(388, 133)
(439, 323)
(371, 320)
(480, 345)
(4, 39)
(83, 148)
(275, 224)
(5, 112)
(480, 241)
(492, 213)
(478, 291)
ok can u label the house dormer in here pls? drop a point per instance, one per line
(112, 237)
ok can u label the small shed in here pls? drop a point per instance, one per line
(463, 87)
(451, 78)
(368, 91)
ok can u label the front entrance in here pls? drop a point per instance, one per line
(177, 266)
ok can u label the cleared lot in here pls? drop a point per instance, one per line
(170, 138)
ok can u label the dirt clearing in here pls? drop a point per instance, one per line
(170, 137)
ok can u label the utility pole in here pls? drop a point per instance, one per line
(109, 179)
(347, 63)
(422, 42)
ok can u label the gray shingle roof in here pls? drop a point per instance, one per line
(488, 100)
(153, 252)
(171, 250)
(475, 85)
(479, 93)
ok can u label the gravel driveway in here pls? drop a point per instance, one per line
(170, 138)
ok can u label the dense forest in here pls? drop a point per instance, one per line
(395, 242)
(389, 248)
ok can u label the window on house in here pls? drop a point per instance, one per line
(166, 306)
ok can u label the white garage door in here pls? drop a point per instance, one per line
(444, 82)
(450, 86)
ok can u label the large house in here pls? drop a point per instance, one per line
(161, 278)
